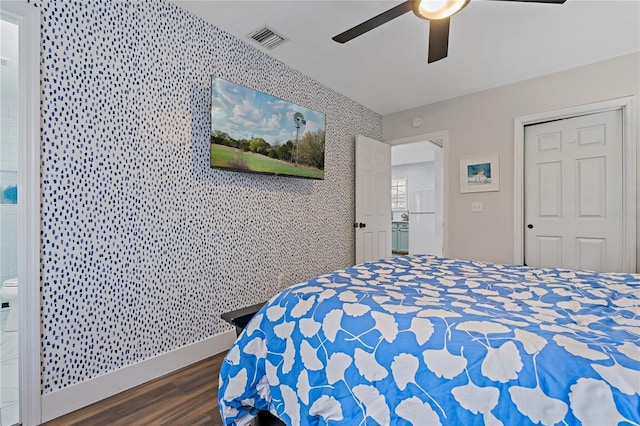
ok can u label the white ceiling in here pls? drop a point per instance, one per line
(491, 43)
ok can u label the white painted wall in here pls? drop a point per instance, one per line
(410, 153)
(481, 124)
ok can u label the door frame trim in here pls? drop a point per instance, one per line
(440, 138)
(630, 214)
(28, 18)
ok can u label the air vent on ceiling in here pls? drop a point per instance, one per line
(267, 37)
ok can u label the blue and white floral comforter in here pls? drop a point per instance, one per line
(420, 340)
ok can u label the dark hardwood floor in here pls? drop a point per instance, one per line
(188, 396)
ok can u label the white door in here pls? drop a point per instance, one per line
(574, 193)
(373, 199)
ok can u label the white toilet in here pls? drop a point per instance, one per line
(10, 292)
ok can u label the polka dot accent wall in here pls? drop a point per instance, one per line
(144, 245)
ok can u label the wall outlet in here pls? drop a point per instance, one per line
(282, 281)
(476, 206)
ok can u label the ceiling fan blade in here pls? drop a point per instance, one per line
(374, 22)
(438, 39)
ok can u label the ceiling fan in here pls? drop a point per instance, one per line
(437, 12)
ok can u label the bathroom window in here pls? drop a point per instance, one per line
(399, 194)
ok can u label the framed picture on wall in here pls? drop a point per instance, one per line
(480, 174)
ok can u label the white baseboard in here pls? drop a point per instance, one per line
(74, 397)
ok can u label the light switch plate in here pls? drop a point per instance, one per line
(476, 206)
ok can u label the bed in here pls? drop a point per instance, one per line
(422, 340)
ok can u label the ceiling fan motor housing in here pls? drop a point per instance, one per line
(433, 10)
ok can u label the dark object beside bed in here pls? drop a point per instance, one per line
(241, 317)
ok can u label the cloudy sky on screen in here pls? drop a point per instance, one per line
(245, 113)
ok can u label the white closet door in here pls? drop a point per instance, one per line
(574, 193)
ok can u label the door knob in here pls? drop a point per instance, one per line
(530, 226)
(363, 225)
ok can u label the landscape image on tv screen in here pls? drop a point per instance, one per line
(252, 131)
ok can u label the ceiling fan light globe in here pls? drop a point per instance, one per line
(437, 9)
(432, 6)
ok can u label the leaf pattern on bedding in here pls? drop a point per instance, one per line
(253, 326)
(578, 348)
(288, 356)
(336, 365)
(331, 324)
(536, 405)
(477, 399)
(235, 385)
(443, 363)
(309, 356)
(418, 413)
(368, 367)
(387, 342)
(327, 407)
(291, 404)
(422, 328)
(404, 368)
(531, 342)
(622, 378)
(386, 325)
(254, 347)
(631, 350)
(302, 307)
(309, 327)
(592, 403)
(303, 387)
(274, 313)
(355, 309)
(375, 406)
(503, 363)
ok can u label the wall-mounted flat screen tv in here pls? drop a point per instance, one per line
(252, 131)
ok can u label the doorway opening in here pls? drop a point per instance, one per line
(20, 189)
(417, 185)
(9, 144)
